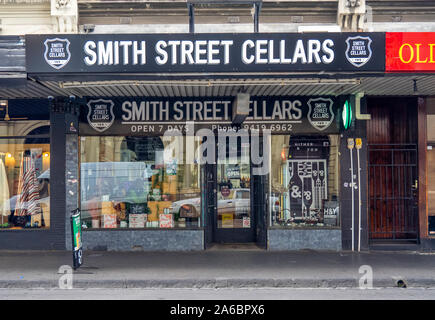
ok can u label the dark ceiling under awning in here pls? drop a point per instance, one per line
(13, 80)
(386, 85)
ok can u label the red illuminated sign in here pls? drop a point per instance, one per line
(410, 52)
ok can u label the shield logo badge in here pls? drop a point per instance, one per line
(320, 113)
(57, 52)
(358, 51)
(100, 114)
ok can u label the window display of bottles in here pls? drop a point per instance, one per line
(142, 192)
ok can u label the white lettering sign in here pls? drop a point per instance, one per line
(208, 52)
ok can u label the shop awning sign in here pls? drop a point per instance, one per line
(220, 53)
(57, 53)
(155, 115)
(197, 53)
(358, 51)
(410, 52)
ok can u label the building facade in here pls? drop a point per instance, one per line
(175, 125)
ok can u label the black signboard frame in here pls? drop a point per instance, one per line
(215, 53)
(148, 116)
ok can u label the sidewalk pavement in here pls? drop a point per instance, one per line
(216, 269)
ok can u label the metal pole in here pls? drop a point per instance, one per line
(353, 201)
(191, 9)
(257, 7)
(350, 146)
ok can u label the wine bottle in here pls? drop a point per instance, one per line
(307, 195)
(295, 190)
(322, 177)
(315, 175)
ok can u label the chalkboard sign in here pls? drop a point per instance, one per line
(309, 147)
(137, 208)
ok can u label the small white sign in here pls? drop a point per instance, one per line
(166, 220)
(246, 222)
(137, 220)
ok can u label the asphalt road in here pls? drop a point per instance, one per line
(221, 294)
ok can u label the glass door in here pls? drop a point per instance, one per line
(234, 221)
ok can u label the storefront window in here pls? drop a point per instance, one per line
(128, 182)
(304, 181)
(24, 175)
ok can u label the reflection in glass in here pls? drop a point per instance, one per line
(25, 178)
(234, 180)
(137, 182)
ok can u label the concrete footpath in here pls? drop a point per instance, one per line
(217, 269)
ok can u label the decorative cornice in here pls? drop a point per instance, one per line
(100, 8)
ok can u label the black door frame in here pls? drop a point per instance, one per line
(208, 198)
(223, 235)
(261, 195)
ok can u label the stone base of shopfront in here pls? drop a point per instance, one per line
(291, 239)
(147, 240)
(427, 245)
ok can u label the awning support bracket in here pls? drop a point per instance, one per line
(358, 114)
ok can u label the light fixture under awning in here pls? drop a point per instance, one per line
(241, 108)
(208, 83)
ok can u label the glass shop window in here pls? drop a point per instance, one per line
(304, 183)
(24, 175)
(129, 182)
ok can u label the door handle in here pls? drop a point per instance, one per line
(415, 185)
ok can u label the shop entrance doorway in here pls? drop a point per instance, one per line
(392, 170)
(233, 219)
